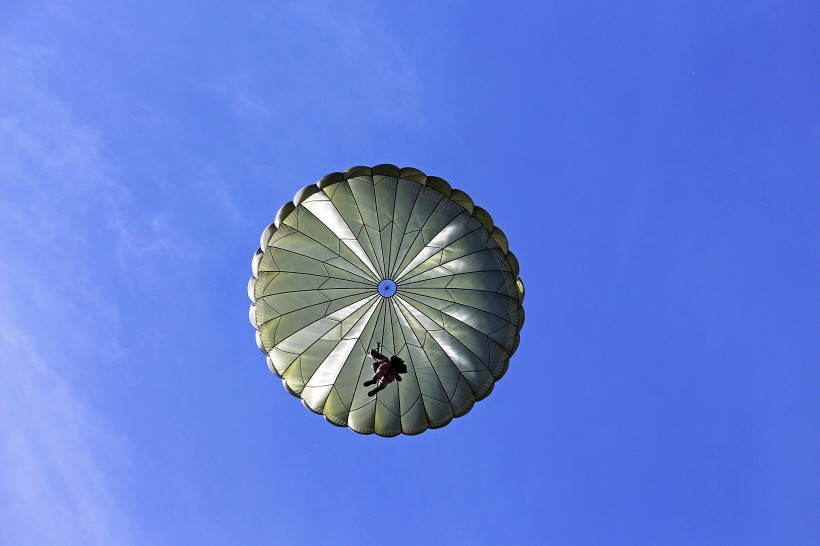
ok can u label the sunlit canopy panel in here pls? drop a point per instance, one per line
(386, 256)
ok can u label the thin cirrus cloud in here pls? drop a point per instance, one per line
(71, 234)
(347, 77)
(58, 456)
(63, 467)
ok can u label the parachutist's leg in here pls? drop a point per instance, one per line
(377, 389)
(372, 381)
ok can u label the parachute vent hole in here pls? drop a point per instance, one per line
(387, 288)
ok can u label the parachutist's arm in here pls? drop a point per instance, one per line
(376, 355)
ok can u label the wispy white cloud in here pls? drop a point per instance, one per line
(61, 464)
(246, 104)
(326, 58)
(63, 468)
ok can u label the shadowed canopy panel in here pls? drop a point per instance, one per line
(391, 256)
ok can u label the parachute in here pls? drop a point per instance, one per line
(386, 256)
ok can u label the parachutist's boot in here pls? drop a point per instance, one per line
(374, 391)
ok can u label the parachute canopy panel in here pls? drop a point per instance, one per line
(386, 256)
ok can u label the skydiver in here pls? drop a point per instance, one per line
(383, 372)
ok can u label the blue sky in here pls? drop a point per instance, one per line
(655, 166)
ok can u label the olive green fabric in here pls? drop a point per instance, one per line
(454, 318)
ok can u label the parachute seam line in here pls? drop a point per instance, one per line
(381, 309)
(415, 290)
(507, 348)
(301, 273)
(368, 287)
(384, 320)
(378, 229)
(490, 352)
(435, 371)
(299, 356)
(378, 223)
(361, 371)
(378, 401)
(404, 237)
(386, 251)
(370, 279)
(307, 307)
(404, 230)
(327, 274)
(464, 288)
(314, 342)
(353, 197)
(337, 254)
(379, 319)
(511, 306)
(444, 328)
(383, 325)
(379, 265)
(389, 265)
(416, 298)
(323, 361)
(416, 399)
(454, 274)
(421, 348)
(374, 258)
(390, 312)
(439, 200)
(293, 311)
(417, 189)
(334, 326)
(406, 279)
(418, 395)
(391, 258)
(363, 290)
(369, 275)
(412, 273)
(401, 333)
(399, 256)
(458, 382)
(364, 226)
(405, 261)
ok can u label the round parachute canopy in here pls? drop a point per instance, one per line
(393, 258)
